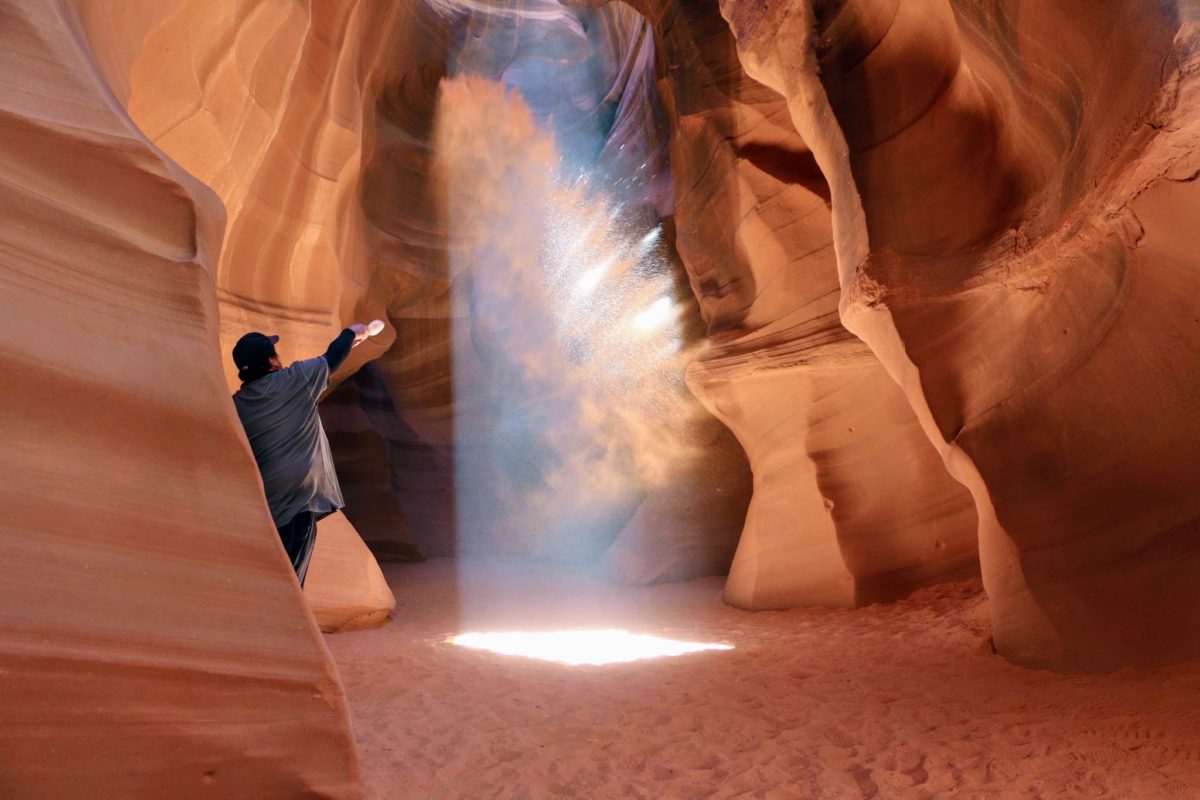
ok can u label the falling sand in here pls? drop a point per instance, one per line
(897, 701)
(570, 402)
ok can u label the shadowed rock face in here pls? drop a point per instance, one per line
(1009, 182)
(151, 629)
(364, 458)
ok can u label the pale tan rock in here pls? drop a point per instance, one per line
(153, 640)
(345, 588)
(272, 106)
(850, 505)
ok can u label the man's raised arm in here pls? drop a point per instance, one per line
(340, 347)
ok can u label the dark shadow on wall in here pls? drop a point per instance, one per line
(389, 476)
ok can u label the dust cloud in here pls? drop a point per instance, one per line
(569, 346)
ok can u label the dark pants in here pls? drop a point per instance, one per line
(298, 537)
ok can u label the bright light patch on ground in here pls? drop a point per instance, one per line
(609, 646)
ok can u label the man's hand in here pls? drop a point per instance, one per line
(362, 332)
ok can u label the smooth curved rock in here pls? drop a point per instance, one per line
(850, 504)
(269, 105)
(153, 639)
(345, 588)
(1008, 194)
(278, 107)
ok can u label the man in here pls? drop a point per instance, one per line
(278, 408)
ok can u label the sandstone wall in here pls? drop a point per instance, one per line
(282, 108)
(1008, 184)
(153, 640)
(850, 504)
(344, 587)
(267, 103)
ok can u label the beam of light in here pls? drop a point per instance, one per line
(650, 239)
(655, 316)
(589, 280)
(597, 647)
(591, 277)
(572, 339)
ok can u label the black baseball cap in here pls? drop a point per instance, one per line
(253, 352)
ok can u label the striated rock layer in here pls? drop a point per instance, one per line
(267, 104)
(281, 108)
(850, 504)
(1010, 185)
(153, 640)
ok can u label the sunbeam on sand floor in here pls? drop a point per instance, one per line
(896, 701)
(594, 646)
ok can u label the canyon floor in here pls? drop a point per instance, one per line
(892, 701)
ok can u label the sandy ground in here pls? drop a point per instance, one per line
(899, 701)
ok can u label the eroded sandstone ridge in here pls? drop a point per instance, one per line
(1012, 188)
(153, 641)
(850, 504)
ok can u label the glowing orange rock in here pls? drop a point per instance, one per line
(1009, 198)
(153, 641)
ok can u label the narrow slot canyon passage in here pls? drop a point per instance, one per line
(904, 700)
(783, 399)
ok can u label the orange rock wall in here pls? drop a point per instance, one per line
(284, 109)
(153, 640)
(267, 103)
(850, 504)
(1009, 181)
(344, 587)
